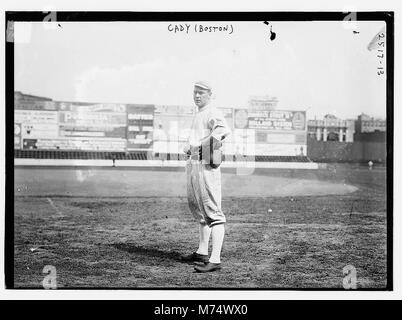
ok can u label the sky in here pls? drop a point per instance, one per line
(321, 67)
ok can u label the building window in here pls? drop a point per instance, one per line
(333, 136)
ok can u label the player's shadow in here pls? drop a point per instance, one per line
(148, 254)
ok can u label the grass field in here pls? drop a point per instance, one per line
(96, 240)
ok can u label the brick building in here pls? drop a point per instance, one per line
(365, 123)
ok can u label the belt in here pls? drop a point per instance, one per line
(195, 157)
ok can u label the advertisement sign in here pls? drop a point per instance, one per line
(255, 149)
(227, 112)
(29, 144)
(172, 130)
(241, 119)
(242, 141)
(139, 142)
(39, 130)
(263, 102)
(270, 120)
(34, 105)
(34, 116)
(91, 107)
(228, 115)
(276, 132)
(82, 131)
(276, 120)
(86, 144)
(92, 119)
(280, 137)
(140, 126)
(174, 110)
(92, 124)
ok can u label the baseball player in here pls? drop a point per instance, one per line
(203, 150)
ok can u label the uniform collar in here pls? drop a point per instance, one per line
(208, 106)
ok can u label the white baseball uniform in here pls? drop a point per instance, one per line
(203, 181)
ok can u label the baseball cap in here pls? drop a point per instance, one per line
(203, 84)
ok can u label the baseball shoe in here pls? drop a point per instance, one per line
(209, 267)
(195, 257)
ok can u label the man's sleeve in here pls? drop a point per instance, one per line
(218, 126)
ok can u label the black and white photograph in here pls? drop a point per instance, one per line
(193, 151)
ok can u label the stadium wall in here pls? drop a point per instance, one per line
(113, 127)
(357, 151)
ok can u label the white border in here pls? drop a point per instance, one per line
(213, 5)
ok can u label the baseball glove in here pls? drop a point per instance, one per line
(211, 153)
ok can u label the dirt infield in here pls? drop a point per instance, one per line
(90, 226)
(113, 182)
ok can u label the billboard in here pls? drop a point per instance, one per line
(29, 143)
(263, 102)
(92, 119)
(87, 131)
(276, 132)
(171, 131)
(246, 142)
(73, 143)
(39, 130)
(174, 110)
(242, 141)
(32, 124)
(20, 104)
(270, 120)
(92, 124)
(140, 126)
(91, 107)
(35, 116)
(175, 128)
(228, 115)
(83, 127)
(280, 137)
(172, 127)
